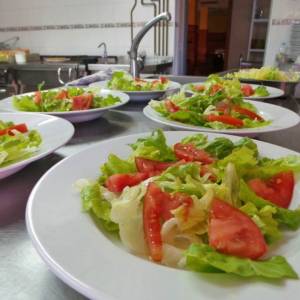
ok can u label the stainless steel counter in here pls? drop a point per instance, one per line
(23, 275)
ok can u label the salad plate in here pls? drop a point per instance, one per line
(271, 92)
(74, 116)
(97, 265)
(140, 96)
(47, 133)
(280, 118)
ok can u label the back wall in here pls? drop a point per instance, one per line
(76, 27)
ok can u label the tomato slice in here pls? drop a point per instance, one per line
(215, 88)
(117, 182)
(163, 79)
(199, 88)
(233, 232)
(223, 107)
(19, 127)
(247, 90)
(174, 202)
(189, 152)
(171, 106)
(204, 169)
(226, 119)
(247, 112)
(157, 209)
(63, 94)
(152, 220)
(37, 97)
(82, 102)
(145, 165)
(278, 189)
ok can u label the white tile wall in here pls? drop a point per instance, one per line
(76, 41)
(278, 34)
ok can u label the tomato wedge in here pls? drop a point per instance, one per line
(163, 79)
(189, 152)
(226, 119)
(145, 165)
(37, 99)
(199, 88)
(19, 127)
(215, 88)
(63, 94)
(223, 107)
(247, 112)
(232, 232)
(247, 90)
(152, 220)
(171, 106)
(174, 202)
(278, 189)
(204, 169)
(82, 102)
(157, 209)
(117, 182)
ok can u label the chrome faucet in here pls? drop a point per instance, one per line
(133, 52)
(104, 51)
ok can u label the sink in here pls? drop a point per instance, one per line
(151, 64)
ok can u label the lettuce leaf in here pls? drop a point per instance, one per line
(127, 212)
(287, 217)
(269, 167)
(109, 100)
(264, 220)
(202, 258)
(93, 202)
(116, 165)
(219, 147)
(243, 158)
(182, 178)
(153, 147)
(18, 147)
(261, 91)
(25, 103)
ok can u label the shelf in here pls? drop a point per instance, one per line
(261, 21)
(257, 50)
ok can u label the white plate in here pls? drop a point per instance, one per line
(72, 116)
(100, 268)
(281, 118)
(143, 96)
(55, 132)
(273, 92)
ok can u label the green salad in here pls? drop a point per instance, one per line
(210, 206)
(232, 87)
(265, 73)
(63, 100)
(122, 81)
(17, 143)
(214, 109)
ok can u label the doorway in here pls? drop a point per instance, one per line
(208, 36)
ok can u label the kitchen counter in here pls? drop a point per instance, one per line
(86, 61)
(23, 274)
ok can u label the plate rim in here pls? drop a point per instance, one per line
(171, 88)
(55, 267)
(121, 95)
(279, 91)
(31, 159)
(150, 113)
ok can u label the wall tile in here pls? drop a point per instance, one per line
(45, 25)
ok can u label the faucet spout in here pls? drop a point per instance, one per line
(133, 52)
(104, 51)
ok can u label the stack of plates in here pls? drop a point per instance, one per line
(295, 41)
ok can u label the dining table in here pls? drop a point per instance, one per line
(23, 274)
